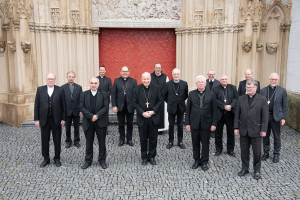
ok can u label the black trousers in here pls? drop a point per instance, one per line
(56, 136)
(200, 135)
(121, 119)
(149, 132)
(76, 120)
(275, 126)
(90, 135)
(228, 119)
(171, 118)
(245, 142)
(161, 124)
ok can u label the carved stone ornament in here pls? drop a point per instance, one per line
(218, 16)
(12, 45)
(198, 17)
(55, 15)
(259, 46)
(75, 17)
(247, 46)
(16, 24)
(5, 25)
(2, 46)
(271, 47)
(26, 46)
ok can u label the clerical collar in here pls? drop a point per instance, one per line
(94, 92)
(224, 87)
(201, 92)
(252, 95)
(101, 76)
(212, 80)
(124, 79)
(147, 87)
(176, 81)
(272, 87)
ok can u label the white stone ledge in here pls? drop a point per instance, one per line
(132, 24)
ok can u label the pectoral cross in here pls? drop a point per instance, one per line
(225, 100)
(124, 93)
(268, 102)
(147, 104)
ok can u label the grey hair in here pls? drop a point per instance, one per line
(249, 70)
(223, 75)
(95, 78)
(146, 73)
(274, 74)
(176, 69)
(251, 81)
(71, 72)
(51, 73)
(211, 70)
(200, 76)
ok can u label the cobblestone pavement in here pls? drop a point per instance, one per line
(125, 178)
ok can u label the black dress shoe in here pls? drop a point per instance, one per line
(44, 163)
(121, 143)
(276, 159)
(103, 165)
(265, 156)
(77, 145)
(218, 153)
(243, 172)
(170, 145)
(204, 167)
(144, 162)
(130, 143)
(68, 145)
(256, 175)
(57, 163)
(86, 165)
(212, 134)
(181, 145)
(231, 153)
(152, 161)
(196, 164)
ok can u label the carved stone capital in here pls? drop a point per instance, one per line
(2, 46)
(12, 45)
(247, 46)
(69, 29)
(5, 25)
(241, 26)
(26, 46)
(271, 47)
(31, 26)
(178, 31)
(282, 27)
(85, 30)
(264, 27)
(259, 46)
(95, 30)
(288, 26)
(16, 24)
(255, 26)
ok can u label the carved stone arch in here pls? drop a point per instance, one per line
(277, 6)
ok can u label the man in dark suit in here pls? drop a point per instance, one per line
(105, 84)
(250, 122)
(50, 114)
(277, 101)
(175, 93)
(122, 102)
(242, 85)
(227, 98)
(72, 95)
(94, 105)
(147, 100)
(201, 119)
(161, 79)
(211, 82)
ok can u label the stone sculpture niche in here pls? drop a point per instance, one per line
(25, 46)
(271, 47)
(2, 46)
(12, 45)
(247, 46)
(259, 46)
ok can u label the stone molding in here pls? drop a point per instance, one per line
(247, 46)
(12, 45)
(208, 29)
(271, 47)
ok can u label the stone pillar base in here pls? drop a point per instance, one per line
(14, 114)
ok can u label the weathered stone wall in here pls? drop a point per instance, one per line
(293, 111)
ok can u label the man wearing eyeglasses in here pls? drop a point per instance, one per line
(251, 122)
(122, 102)
(227, 98)
(242, 85)
(277, 101)
(160, 79)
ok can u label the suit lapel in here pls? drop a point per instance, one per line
(54, 94)
(46, 93)
(143, 93)
(245, 97)
(88, 100)
(98, 99)
(68, 90)
(276, 93)
(255, 100)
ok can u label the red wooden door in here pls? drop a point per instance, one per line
(139, 49)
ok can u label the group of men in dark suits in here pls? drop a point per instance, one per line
(213, 104)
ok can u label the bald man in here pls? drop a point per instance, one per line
(147, 100)
(242, 86)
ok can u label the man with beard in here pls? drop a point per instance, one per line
(147, 100)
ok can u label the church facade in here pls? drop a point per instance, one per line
(229, 36)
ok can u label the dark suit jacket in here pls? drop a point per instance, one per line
(232, 98)
(106, 86)
(205, 116)
(101, 109)
(172, 99)
(72, 101)
(58, 105)
(215, 83)
(242, 88)
(117, 95)
(139, 100)
(251, 120)
(280, 102)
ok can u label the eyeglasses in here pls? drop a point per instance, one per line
(248, 88)
(51, 79)
(157, 67)
(273, 79)
(225, 79)
(124, 71)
